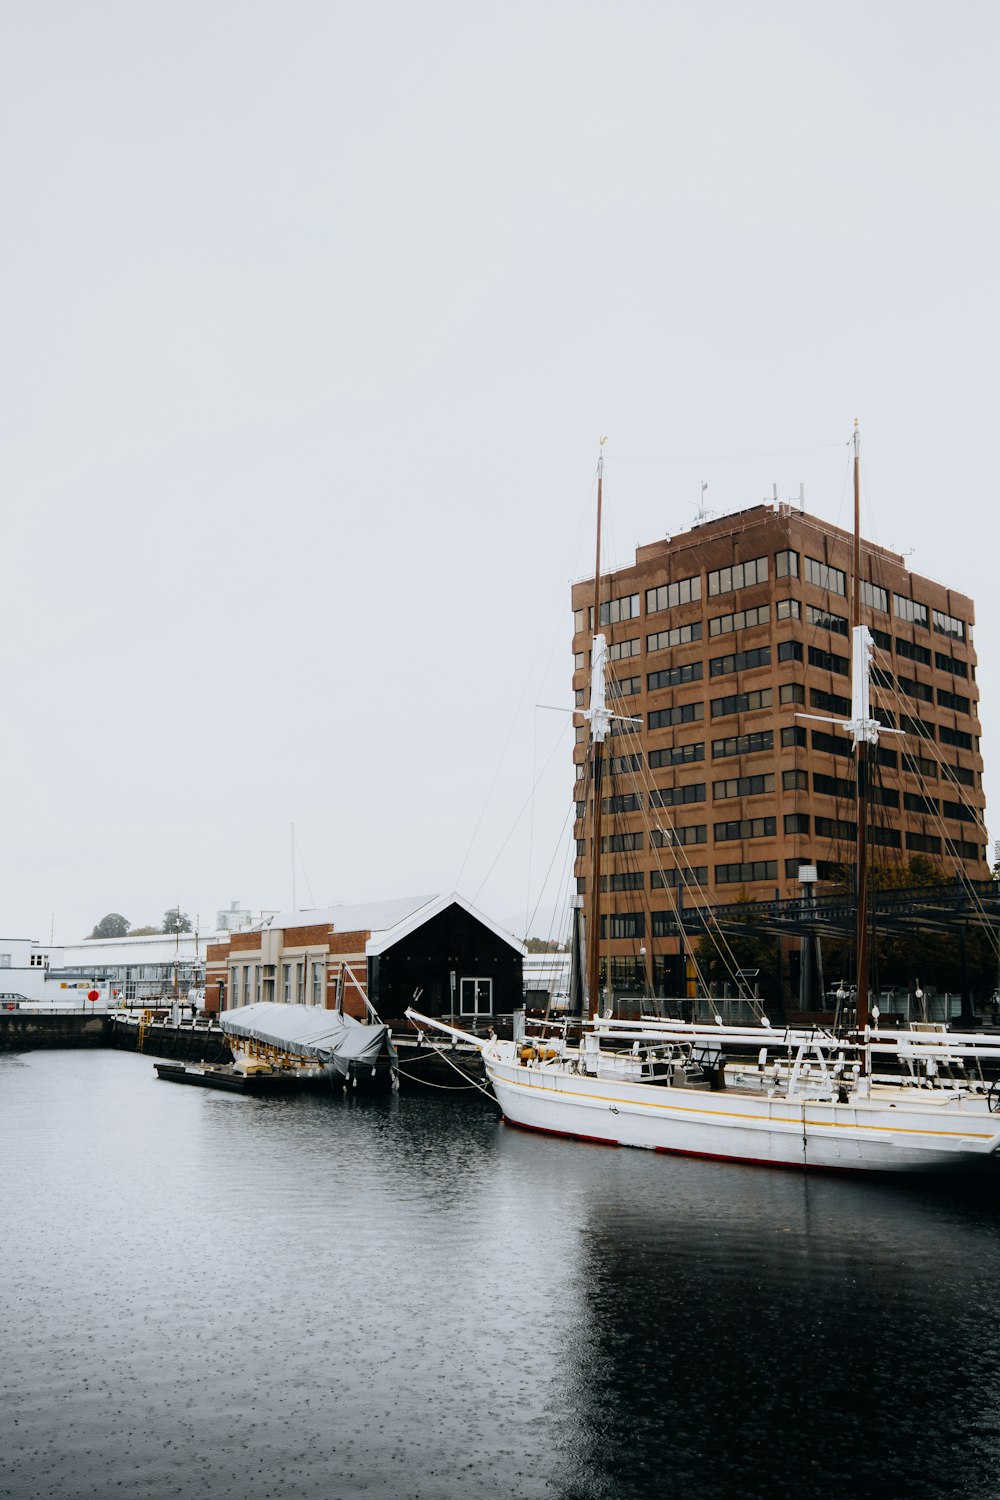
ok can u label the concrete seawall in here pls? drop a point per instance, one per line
(30, 1031)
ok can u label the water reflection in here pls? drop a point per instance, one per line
(340, 1296)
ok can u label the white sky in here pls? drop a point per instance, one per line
(313, 314)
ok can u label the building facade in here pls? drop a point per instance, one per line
(721, 642)
(434, 952)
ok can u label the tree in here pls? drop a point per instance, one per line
(543, 945)
(176, 920)
(112, 926)
(143, 931)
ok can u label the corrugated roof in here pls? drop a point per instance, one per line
(368, 916)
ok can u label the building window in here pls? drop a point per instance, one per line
(743, 744)
(956, 737)
(627, 880)
(234, 988)
(786, 564)
(954, 701)
(743, 619)
(614, 610)
(963, 775)
(300, 983)
(739, 576)
(950, 664)
(914, 689)
(793, 734)
(670, 595)
(673, 676)
(836, 828)
(680, 635)
(662, 880)
(286, 983)
(923, 843)
(964, 849)
(684, 713)
(625, 802)
(624, 689)
(739, 661)
(828, 661)
(913, 652)
(909, 610)
(618, 843)
(622, 650)
(959, 811)
(317, 983)
(796, 822)
(743, 786)
(833, 786)
(745, 828)
(623, 924)
(794, 781)
(788, 609)
(673, 838)
(790, 651)
(5, 960)
(889, 838)
(679, 755)
(792, 692)
(740, 703)
(948, 625)
(675, 796)
(620, 765)
(822, 576)
(743, 874)
(830, 703)
(874, 597)
(921, 727)
(824, 620)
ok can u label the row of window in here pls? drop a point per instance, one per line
(795, 779)
(247, 983)
(754, 571)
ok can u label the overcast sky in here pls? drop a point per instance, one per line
(313, 316)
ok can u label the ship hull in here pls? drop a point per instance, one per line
(876, 1135)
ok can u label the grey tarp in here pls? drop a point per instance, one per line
(307, 1030)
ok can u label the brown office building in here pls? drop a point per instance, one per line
(719, 639)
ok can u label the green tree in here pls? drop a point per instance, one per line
(176, 920)
(721, 955)
(112, 926)
(143, 931)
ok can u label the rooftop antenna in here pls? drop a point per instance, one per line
(702, 514)
(802, 497)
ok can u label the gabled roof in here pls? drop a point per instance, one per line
(379, 942)
(367, 916)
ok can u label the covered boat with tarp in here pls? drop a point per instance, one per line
(307, 1040)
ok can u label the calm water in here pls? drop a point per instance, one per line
(328, 1296)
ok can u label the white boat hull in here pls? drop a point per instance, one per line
(872, 1135)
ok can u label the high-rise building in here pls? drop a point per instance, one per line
(728, 645)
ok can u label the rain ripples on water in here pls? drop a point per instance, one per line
(333, 1295)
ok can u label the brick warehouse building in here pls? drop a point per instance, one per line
(464, 964)
(717, 638)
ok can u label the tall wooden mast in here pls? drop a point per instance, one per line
(598, 717)
(861, 765)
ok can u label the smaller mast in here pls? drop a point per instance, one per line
(600, 721)
(866, 732)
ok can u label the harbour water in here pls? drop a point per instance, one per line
(339, 1296)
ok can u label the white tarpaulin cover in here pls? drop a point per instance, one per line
(307, 1030)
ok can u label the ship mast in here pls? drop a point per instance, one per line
(600, 720)
(866, 732)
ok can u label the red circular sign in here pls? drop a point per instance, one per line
(93, 995)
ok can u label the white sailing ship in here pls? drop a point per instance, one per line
(868, 1100)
